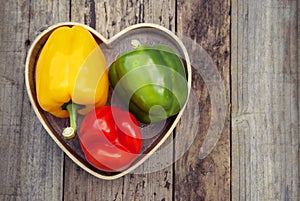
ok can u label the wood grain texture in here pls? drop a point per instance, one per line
(110, 17)
(265, 100)
(209, 178)
(31, 164)
(12, 54)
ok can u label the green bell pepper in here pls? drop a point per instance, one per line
(151, 80)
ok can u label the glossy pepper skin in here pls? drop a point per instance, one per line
(110, 138)
(151, 80)
(71, 68)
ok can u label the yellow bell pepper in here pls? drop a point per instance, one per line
(71, 71)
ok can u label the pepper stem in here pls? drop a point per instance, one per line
(135, 44)
(70, 132)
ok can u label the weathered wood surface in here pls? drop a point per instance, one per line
(265, 100)
(31, 165)
(207, 23)
(264, 94)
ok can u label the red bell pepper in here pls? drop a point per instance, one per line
(110, 138)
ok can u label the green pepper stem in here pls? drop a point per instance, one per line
(135, 44)
(70, 132)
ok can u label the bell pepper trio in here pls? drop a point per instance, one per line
(72, 77)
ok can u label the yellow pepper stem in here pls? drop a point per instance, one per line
(70, 132)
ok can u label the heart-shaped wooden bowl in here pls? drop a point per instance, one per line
(154, 135)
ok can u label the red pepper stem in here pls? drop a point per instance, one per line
(70, 132)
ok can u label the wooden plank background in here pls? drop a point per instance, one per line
(255, 48)
(265, 100)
